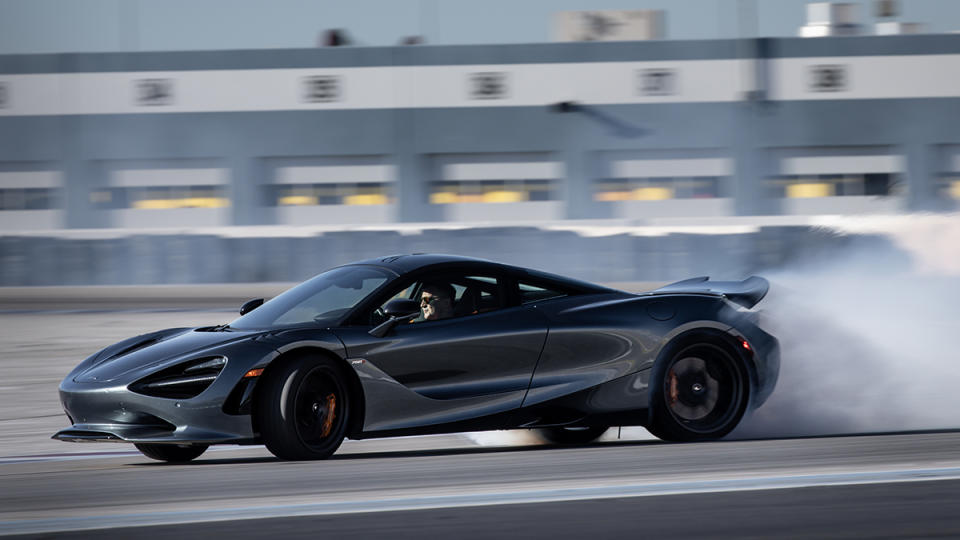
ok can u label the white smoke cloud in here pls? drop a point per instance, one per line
(527, 437)
(514, 437)
(868, 343)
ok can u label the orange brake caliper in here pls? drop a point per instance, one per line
(674, 392)
(331, 415)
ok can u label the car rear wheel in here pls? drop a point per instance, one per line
(302, 409)
(173, 453)
(699, 393)
(571, 435)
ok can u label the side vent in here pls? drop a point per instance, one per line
(182, 381)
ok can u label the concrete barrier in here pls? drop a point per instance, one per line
(595, 253)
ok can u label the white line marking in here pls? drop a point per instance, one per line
(37, 526)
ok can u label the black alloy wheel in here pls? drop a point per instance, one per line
(302, 409)
(699, 393)
(172, 453)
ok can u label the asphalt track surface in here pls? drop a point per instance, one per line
(895, 485)
(882, 486)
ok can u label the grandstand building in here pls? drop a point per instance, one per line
(496, 133)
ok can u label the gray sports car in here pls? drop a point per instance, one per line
(418, 344)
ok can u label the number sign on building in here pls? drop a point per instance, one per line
(153, 92)
(322, 89)
(657, 82)
(488, 85)
(828, 78)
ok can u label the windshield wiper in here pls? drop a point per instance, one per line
(221, 328)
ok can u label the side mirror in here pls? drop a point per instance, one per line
(250, 306)
(402, 308)
(398, 310)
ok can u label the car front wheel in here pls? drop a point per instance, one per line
(172, 453)
(302, 409)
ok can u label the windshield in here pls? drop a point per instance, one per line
(323, 299)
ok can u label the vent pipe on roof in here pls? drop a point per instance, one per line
(831, 19)
(886, 12)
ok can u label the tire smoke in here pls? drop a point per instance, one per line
(868, 336)
(526, 437)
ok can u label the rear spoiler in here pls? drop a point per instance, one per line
(747, 293)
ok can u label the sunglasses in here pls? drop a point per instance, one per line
(429, 301)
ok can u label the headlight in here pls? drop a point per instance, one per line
(182, 381)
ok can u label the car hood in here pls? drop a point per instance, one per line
(157, 349)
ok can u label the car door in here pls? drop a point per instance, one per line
(475, 364)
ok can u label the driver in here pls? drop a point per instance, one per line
(436, 301)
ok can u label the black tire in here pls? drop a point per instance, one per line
(172, 453)
(571, 435)
(699, 392)
(302, 408)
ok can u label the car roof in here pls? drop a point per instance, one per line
(404, 264)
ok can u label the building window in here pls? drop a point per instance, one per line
(357, 193)
(949, 187)
(28, 199)
(657, 188)
(491, 191)
(160, 197)
(495, 178)
(835, 185)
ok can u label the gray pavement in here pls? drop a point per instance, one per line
(107, 492)
(885, 511)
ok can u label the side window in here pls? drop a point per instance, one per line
(448, 296)
(407, 292)
(481, 293)
(530, 293)
(378, 315)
